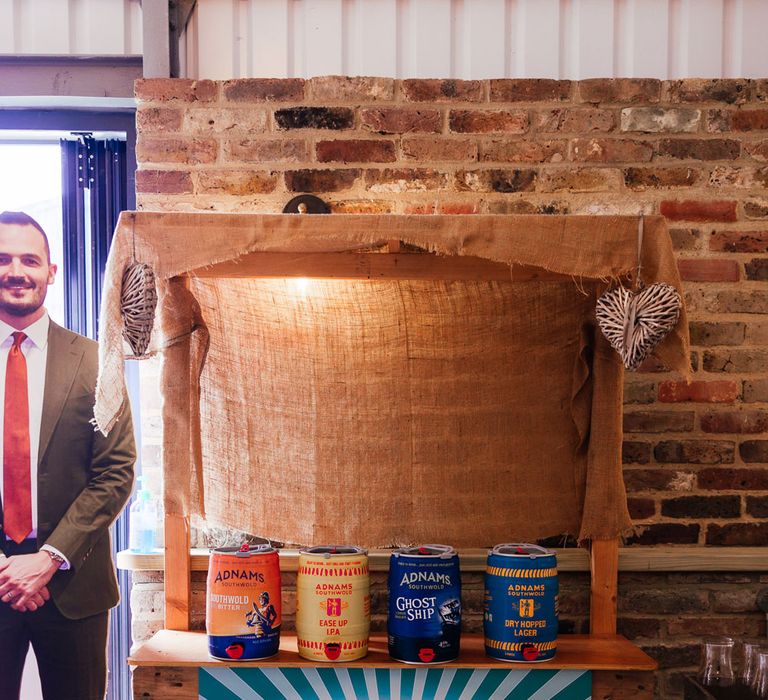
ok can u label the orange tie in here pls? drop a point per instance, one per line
(17, 490)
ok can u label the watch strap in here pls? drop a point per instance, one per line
(56, 558)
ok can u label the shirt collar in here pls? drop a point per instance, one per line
(37, 332)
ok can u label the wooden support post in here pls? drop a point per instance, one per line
(604, 563)
(177, 436)
(178, 573)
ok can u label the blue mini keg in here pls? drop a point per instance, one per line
(424, 623)
(520, 620)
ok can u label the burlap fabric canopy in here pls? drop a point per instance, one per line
(395, 411)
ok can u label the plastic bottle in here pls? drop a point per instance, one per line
(143, 522)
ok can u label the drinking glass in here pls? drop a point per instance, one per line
(716, 667)
(750, 647)
(760, 685)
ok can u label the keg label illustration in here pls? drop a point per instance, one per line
(243, 603)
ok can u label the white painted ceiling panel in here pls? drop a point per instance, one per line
(271, 54)
(7, 34)
(702, 26)
(44, 23)
(536, 42)
(218, 39)
(750, 47)
(189, 52)
(99, 27)
(484, 24)
(319, 45)
(374, 35)
(243, 53)
(643, 43)
(478, 38)
(593, 45)
(429, 49)
(132, 28)
(71, 27)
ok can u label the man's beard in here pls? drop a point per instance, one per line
(20, 309)
(16, 307)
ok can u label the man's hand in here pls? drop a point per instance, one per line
(35, 602)
(23, 580)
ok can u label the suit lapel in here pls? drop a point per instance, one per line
(61, 367)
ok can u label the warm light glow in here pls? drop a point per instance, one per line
(302, 285)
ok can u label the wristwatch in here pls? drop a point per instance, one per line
(56, 558)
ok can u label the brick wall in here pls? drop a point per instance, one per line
(696, 151)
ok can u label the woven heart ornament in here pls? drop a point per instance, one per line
(634, 323)
(138, 299)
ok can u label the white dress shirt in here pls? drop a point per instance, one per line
(35, 350)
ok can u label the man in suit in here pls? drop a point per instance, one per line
(61, 483)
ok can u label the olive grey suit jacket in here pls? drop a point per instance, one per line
(84, 478)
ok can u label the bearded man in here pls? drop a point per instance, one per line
(61, 484)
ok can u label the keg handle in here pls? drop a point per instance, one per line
(540, 551)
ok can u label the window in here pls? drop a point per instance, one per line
(43, 156)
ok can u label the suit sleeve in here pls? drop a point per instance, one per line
(106, 493)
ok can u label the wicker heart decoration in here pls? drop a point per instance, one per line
(634, 323)
(138, 299)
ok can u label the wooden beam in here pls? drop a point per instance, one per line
(178, 573)
(176, 445)
(375, 266)
(613, 652)
(606, 685)
(166, 682)
(604, 563)
(678, 558)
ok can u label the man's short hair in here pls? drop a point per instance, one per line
(20, 218)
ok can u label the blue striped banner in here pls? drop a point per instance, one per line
(339, 683)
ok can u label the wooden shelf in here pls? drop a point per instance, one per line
(677, 558)
(596, 653)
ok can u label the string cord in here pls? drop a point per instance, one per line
(640, 229)
(133, 235)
